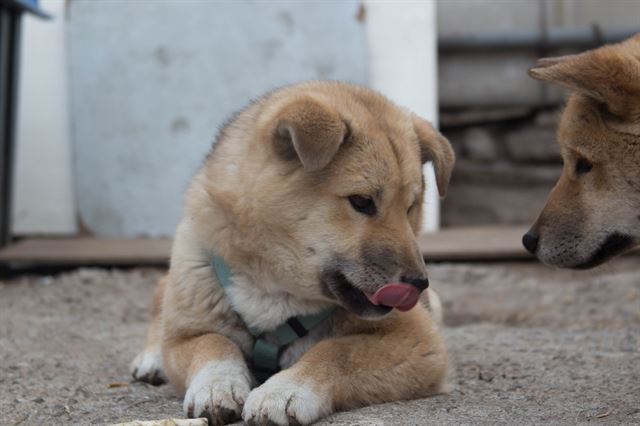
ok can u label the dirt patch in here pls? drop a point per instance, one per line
(531, 345)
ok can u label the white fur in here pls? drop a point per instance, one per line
(282, 401)
(435, 307)
(148, 363)
(221, 384)
(264, 306)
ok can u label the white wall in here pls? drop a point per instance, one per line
(152, 81)
(43, 190)
(402, 41)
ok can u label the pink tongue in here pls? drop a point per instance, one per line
(396, 295)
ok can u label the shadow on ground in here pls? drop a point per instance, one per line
(530, 345)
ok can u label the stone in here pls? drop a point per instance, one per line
(479, 144)
(468, 116)
(58, 410)
(476, 204)
(548, 118)
(533, 144)
(505, 174)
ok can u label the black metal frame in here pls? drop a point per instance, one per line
(9, 59)
(10, 26)
(30, 6)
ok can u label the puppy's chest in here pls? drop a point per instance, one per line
(263, 306)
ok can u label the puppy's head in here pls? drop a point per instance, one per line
(593, 213)
(342, 190)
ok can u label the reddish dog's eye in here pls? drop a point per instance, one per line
(583, 166)
(363, 204)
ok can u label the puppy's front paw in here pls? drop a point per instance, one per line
(147, 367)
(281, 401)
(218, 392)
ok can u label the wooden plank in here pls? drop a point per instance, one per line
(477, 243)
(474, 243)
(457, 244)
(87, 251)
(482, 243)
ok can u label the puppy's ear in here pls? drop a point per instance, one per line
(436, 148)
(310, 130)
(610, 75)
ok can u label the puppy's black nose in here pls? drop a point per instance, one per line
(420, 283)
(530, 242)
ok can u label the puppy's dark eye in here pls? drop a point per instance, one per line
(583, 166)
(363, 204)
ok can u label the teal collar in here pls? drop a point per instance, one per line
(266, 353)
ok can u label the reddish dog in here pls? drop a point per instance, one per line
(593, 213)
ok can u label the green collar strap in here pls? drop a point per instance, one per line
(269, 345)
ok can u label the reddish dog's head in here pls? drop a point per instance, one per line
(593, 213)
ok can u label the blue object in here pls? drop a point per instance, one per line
(269, 345)
(30, 6)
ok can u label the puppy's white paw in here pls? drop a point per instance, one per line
(147, 367)
(281, 401)
(218, 391)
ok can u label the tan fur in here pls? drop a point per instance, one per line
(377, 364)
(271, 199)
(601, 124)
(154, 335)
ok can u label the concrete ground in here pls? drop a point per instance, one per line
(530, 345)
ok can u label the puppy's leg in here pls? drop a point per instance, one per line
(147, 366)
(196, 320)
(402, 358)
(212, 370)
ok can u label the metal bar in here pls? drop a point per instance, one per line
(555, 38)
(5, 205)
(21, 6)
(9, 60)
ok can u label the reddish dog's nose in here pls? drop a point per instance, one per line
(530, 242)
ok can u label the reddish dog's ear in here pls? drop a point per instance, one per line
(610, 74)
(436, 148)
(310, 130)
(547, 62)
